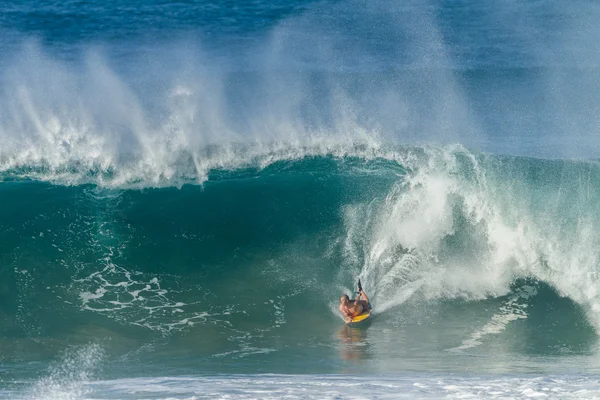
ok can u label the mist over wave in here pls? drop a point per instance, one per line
(118, 112)
(135, 120)
(86, 122)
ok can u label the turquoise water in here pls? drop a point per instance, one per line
(187, 188)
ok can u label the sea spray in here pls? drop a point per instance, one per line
(67, 378)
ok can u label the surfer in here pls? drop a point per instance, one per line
(352, 308)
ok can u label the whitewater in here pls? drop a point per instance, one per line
(186, 189)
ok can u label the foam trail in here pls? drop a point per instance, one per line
(512, 309)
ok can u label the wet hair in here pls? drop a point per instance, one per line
(345, 296)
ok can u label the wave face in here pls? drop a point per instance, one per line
(484, 253)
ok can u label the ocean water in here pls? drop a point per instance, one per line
(187, 188)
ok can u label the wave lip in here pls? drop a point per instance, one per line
(164, 167)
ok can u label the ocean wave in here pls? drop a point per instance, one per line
(421, 226)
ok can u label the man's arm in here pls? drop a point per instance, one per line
(349, 314)
(346, 312)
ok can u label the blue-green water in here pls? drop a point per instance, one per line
(187, 188)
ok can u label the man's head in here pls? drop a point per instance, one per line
(344, 299)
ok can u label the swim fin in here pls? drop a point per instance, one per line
(359, 286)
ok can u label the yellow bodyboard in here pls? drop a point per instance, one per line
(360, 318)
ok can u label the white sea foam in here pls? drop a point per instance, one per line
(466, 226)
(409, 386)
(132, 299)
